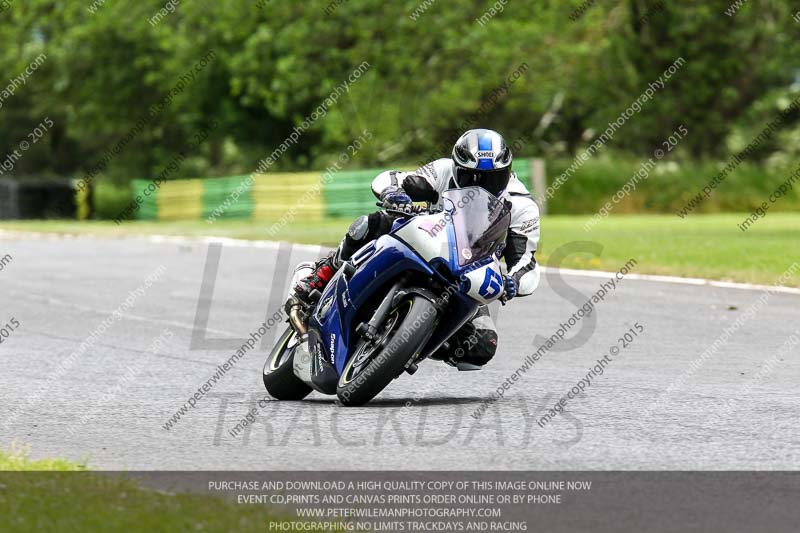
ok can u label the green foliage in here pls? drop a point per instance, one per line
(275, 62)
(110, 199)
(669, 186)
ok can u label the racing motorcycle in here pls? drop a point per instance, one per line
(395, 302)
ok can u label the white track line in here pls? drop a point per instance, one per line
(682, 281)
(273, 245)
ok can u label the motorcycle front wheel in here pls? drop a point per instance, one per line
(375, 363)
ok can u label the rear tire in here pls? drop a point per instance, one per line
(279, 378)
(372, 366)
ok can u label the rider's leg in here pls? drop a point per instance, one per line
(473, 345)
(309, 277)
(363, 230)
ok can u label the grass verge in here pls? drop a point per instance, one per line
(57, 495)
(17, 460)
(708, 246)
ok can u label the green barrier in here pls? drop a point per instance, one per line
(227, 198)
(148, 210)
(522, 167)
(349, 193)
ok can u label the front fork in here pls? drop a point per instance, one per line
(369, 330)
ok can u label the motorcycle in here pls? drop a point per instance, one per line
(395, 302)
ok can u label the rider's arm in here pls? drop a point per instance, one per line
(420, 185)
(521, 243)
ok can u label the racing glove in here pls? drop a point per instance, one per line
(395, 196)
(510, 286)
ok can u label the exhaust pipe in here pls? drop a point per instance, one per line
(296, 319)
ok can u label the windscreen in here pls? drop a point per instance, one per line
(480, 221)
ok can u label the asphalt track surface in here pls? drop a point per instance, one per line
(109, 404)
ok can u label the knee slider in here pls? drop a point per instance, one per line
(483, 350)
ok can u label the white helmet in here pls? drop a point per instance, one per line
(482, 158)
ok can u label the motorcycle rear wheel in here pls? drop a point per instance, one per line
(279, 378)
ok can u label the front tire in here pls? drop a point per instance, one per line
(374, 364)
(279, 378)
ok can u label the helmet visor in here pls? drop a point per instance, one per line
(494, 181)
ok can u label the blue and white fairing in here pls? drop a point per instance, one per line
(458, 247)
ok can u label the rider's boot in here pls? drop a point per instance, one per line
(317, 277)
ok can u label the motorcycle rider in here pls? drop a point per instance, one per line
(481, 158)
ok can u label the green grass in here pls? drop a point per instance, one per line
(57, 498)
(17, 460)
(709, 246)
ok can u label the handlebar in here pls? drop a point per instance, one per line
(405, 209)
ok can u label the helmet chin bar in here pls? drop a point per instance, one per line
(494, 181)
